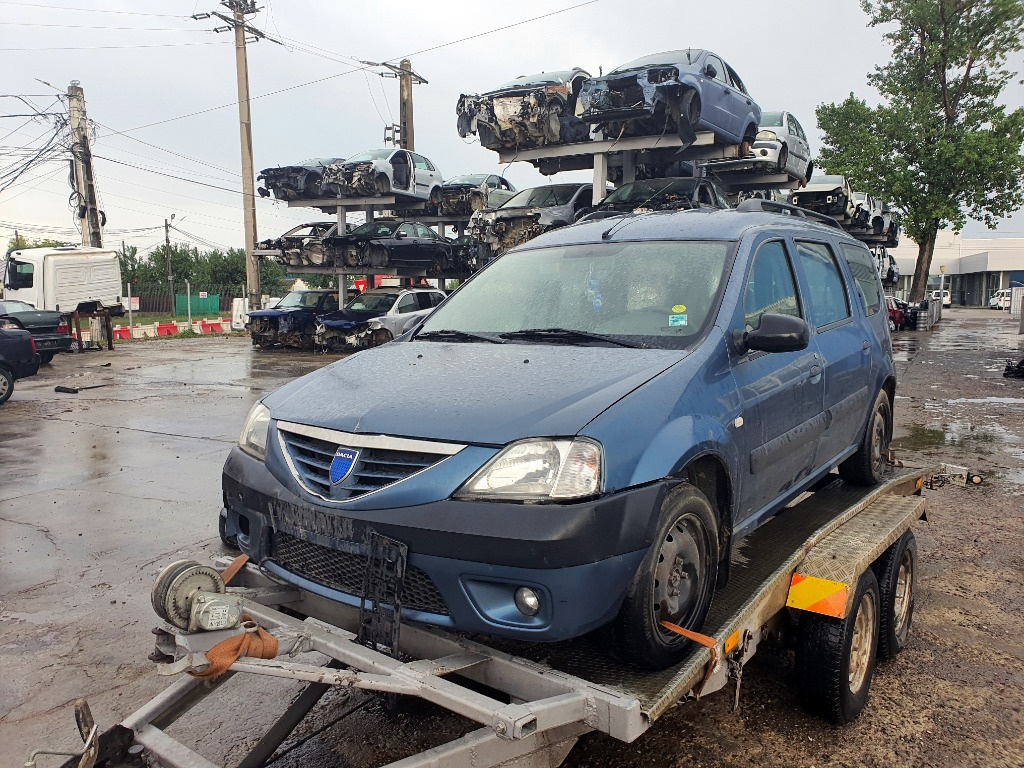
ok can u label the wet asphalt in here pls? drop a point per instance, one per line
(100, 490)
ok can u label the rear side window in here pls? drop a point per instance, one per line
(407, 303)
(862, 267)
(771, 286)
(828, 300)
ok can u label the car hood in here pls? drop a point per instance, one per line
(486, 394)
(345, 317)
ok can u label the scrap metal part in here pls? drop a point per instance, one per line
(347, 335)
(283, 330)
(354, 180)
(507, 232)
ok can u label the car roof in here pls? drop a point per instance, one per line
(698, 224)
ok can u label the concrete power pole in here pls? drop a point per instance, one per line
(85, 181)
(167, 255)
(236, 23)
(405, 121)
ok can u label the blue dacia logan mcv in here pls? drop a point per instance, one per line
(578, 437)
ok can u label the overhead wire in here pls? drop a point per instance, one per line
(91, 10)
(113, 47)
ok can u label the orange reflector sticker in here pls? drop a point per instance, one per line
(732, 642)
(809, 593)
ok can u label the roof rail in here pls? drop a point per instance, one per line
(773, 206)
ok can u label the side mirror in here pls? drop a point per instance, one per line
(710, 71)
(778, 333)
(400, 234)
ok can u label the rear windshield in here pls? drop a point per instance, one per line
(655, 293)
(640, 192)
(541, 197)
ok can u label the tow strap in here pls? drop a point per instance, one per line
(254, 641)
(708, 642)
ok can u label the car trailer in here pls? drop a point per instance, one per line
(840, 562)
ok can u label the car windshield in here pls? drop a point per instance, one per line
(370, 154)
(7, 307)
(476, 179)
(376, 228)
(540, 197)
(672, 58)
(299, 299)
(640, 192)
(544, 78)
(836, 181)
(373, 302)
(771, 119)
(316, 162)
(655, 293)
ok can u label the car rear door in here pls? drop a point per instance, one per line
(848, 346)
(781, 393)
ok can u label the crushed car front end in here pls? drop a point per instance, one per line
(362, 179)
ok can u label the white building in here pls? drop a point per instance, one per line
(974, 267)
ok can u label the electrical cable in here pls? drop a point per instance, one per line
(112, 47)
(91, 10)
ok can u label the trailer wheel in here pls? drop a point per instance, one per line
(866, 466)
(896, 571)
(675, 583)
(836, 657)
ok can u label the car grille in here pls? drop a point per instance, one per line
(344, 572)
(310, 461)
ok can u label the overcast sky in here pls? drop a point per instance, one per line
(166, 83)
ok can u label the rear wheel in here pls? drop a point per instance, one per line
(896, 571)
(675, 583)
(866, 466)
(836, 657)
(783, 160)
(6, 385)
(45, 357)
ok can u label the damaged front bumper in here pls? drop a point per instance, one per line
(520, 121)
(294, 332)
(504, 233)
(289, 183)
(353, 180)
(347, 335)
(647, 103)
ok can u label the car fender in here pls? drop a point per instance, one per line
(679, 443)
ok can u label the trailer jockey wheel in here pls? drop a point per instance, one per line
(177, 584)
(836, 657)
(896, 570)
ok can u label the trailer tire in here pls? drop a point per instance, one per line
(896, 571)
(836, 657)
(685, 547)
(866, 466)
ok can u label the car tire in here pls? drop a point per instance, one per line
(836, 657)
(892, 326)
(684, 552)
(434, 200)
(866, 466)
(896, 571)
(45, 358)
(809, 172)
(382, 183)
(783, 160)
(6, 385)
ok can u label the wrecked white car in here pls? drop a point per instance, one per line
(528, 214)
(528, 112)
(295, 182)
(374, 317)
(379, 172)
(462, 195)
(678, 92)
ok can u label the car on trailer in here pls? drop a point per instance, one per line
(49, 329)
(470, 192)
(529, 213)
(670, 382)
(830, 195)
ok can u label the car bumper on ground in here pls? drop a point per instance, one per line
(466, 559)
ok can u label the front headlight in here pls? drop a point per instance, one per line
(253, 439)
(767, 136)
(539, 470)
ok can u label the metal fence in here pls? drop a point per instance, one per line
(155, 298)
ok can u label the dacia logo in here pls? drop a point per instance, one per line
(343, 463)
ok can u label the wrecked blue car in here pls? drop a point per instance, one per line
(291, 322)
(680, 92)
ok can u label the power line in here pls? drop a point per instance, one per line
(164, 149)
(111, 47)
(91, 10)
(168, 175)
(89, 26)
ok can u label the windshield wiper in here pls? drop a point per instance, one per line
(568, 334)
(452, 335)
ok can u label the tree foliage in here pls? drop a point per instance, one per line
(219, 270)
(940, 147)
(20, 242)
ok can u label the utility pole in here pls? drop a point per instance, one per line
(85, 182)
(167, 254)
(406, 78)
(236, 23)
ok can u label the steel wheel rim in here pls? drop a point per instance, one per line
(878, 441)
(5, 386)
(862, 645)
(677, 589)
(903, 594)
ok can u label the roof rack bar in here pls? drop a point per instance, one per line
(773, 206)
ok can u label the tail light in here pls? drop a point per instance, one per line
(32, 341)
(63, 328)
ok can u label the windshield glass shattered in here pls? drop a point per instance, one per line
(541, 197)
(655, 293)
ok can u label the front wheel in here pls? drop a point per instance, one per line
(867, 465)
(836, 657)
(6, 385)
(675, 583)
(783, 160)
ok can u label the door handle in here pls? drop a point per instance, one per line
(866, 346)
(815, 372)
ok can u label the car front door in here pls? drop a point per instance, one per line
(846, 343)
(407, 246)
(799, 149)
(715, 97)
(781, 392)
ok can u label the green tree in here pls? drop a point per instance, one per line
(940, 147)
(21, 242)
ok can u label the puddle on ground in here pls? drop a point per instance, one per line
(990, 400)
(903, 350)
(980, 439)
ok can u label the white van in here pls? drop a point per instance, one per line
(1000, 299)
(945, 296)
(65, 279)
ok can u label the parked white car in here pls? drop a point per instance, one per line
(944, 296)
(378, 172)
(1000, 299)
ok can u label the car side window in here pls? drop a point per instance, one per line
(719, 68)
(424, 232)
(736, 82)
(493, 182)
(704, 195)
(771, 286)
(407, 303)
(330, 303)
(862, 267)
(828, 302)
(436, 298)
(420, 162)
(407, 229)
(423, 300)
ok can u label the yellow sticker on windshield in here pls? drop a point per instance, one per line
(678, 309)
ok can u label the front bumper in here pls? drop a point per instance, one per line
(466, 558)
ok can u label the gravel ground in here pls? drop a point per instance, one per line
(74, 612)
